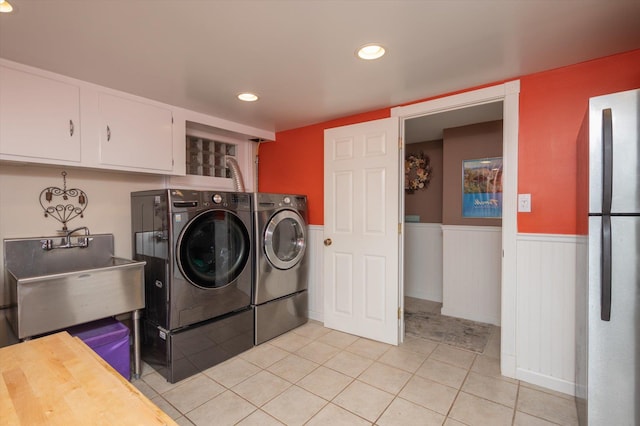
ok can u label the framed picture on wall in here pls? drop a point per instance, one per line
(482, 188)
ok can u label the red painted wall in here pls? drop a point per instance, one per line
(294, 163)
(553, 123)
(553, 109)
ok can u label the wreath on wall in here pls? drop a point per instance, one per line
(417, 172)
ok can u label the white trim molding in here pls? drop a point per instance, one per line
(509, 94)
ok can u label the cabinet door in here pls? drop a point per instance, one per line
(135, 134)
(39, 117)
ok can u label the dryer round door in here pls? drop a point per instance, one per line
(285, 239)
(213, 249)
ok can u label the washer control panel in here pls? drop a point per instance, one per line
(297, 202)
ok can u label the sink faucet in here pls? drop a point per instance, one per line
(66, 240)
(73, 231)
(81, 243)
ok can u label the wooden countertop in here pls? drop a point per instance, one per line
(58, 380)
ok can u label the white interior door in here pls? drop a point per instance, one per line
(361, 229)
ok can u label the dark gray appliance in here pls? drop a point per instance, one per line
(280, 293)
(608, 303)
(198, 246)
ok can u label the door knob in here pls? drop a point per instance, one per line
(327, 242)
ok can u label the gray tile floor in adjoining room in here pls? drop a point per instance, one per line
(316, 376)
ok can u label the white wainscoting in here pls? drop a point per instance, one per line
(315, 246)
(548, 267)
(423, 261)
(472, 272)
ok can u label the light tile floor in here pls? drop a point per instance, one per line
(317, 376)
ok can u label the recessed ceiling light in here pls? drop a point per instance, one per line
(370, 51)
(248, 97)
(5, 7)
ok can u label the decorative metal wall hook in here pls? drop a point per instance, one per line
(58, 204)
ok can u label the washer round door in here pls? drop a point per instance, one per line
(213, 249)
(285, 239)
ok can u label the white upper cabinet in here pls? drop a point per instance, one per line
(135, 134)
(39, 117)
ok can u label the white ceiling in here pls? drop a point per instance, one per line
(299, 55)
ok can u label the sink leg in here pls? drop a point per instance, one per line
(135, 317)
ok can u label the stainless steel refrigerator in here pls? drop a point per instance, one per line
(608, 302)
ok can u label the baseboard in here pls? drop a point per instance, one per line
(548, 382)
(424, 295)
(508, 365)
(464, 315)
(317, 316)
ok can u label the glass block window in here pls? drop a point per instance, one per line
(207, 157)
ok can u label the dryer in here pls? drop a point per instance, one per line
(280, 296)
(198, 246)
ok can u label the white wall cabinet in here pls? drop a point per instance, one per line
(52, 119)
(135, 134)
(39, 117)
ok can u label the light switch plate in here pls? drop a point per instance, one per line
(524, 203)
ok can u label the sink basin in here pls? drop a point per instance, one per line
(76, 265)
(54, 289)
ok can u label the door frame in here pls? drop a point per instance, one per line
(509, 94)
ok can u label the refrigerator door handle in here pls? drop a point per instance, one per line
(605, 284)
(607, 160)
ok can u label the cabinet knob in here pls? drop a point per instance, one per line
(72, 128)
(327, 242)
(108, 133)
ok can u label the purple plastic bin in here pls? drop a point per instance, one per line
(109, 339)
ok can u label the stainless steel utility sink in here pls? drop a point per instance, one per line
(77, 265)
(51, 289)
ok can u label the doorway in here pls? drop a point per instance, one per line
(452, 247)
(508, 94)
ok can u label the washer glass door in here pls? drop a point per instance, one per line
(213, 249)
(285, 239)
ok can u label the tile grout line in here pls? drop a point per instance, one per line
(515, 406)
(375, 387)
(291, 384)
(447, 416)
(353, 379)
(413, 375)
(330, 401)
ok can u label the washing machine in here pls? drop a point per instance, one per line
(280, 295)
(199, 250)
